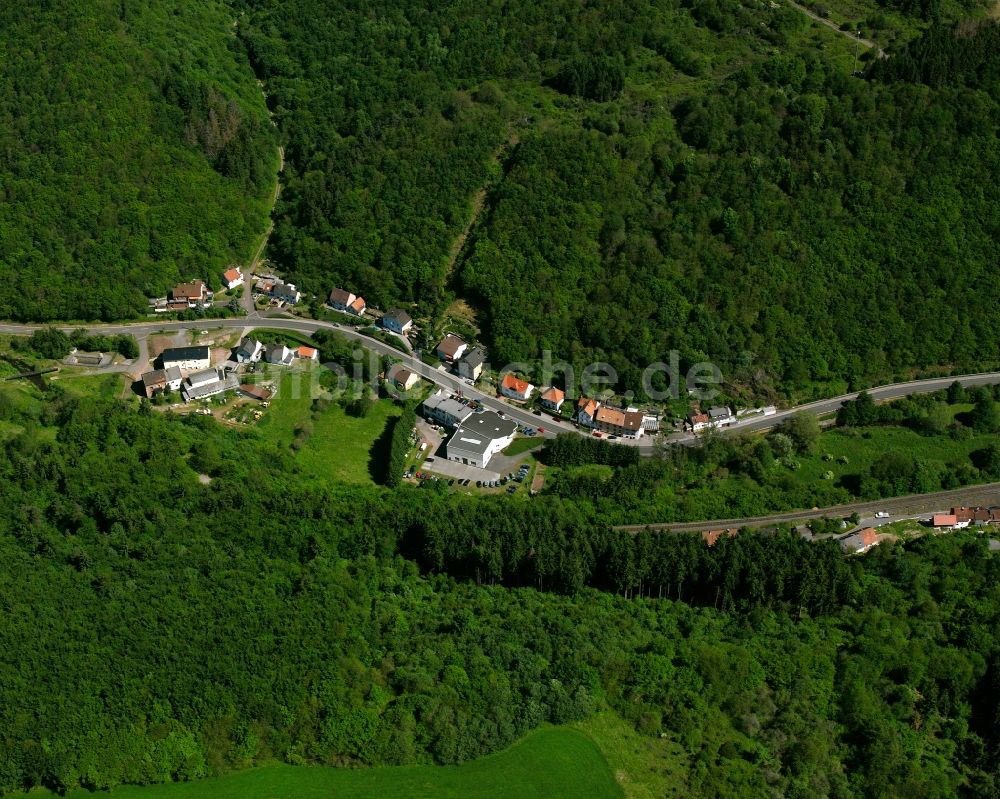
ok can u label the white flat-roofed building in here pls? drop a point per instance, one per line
(479, 438)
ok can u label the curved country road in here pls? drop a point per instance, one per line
(453, 383)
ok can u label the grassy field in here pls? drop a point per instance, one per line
(339, 447)
(550, 763)
(519, 445)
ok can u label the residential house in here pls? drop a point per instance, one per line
(191, 293)
(357, 308)
(258, 393)
(401, 377)
(160, 380)
(186, 358)
(279, 354)
(721, 416)
(618, 422)
(397, 321)
(340, 299)
(444, 409)
(553, 398)
(515, 388)
(232, 278)
(978, 516)
(451, 348)
(471, 365)
(699, 422)
(207, 383)
(480, 437)
(861, 541)
(250, 350)
(650, 424)
(949, 520)
(307, 353)
(586, 410)
(286, 292)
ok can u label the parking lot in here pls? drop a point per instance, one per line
(459, 471)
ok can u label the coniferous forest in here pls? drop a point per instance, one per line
(156, 628)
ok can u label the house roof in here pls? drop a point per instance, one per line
(479, 431)
(358, 305)
(587, 406)
(399, 373)
(446, 405)
(232, 274)
(515, 384)
(554, 395)
(157, 377)
(257, 392)
(194, 290)
(861, 540)
(450, 345)
(943, 519)
(720, 413)
(699, 418)
(306, 352)
(399, 316)
(203, 377)
(474, 357)
(249, 344)
(184, 354)
(341, 297)
(611, 416)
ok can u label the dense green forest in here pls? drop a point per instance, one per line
(695, 176)
(136, 152)
(157, 628)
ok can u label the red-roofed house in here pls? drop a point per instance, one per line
(699, 422)
(309, 353)
(944, 520)
(586, 409)
(192, 292)
(357, 307)
(232, 278)
(859, 542)
(553, 398)
(515, 388)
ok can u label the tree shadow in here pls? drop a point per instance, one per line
(378, 455)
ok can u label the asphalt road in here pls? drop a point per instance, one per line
(453, 383)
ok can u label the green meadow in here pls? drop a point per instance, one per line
(551, 763)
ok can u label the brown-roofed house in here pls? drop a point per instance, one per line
(586, 408)
(194, 291)
(401, 377)
(341, 299)
(618, 422)
(944, 520)
(451, 348)
(256, 392)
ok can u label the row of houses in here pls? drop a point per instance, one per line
(624, 422)
(251, 350)
(963, 517)
(347, 302)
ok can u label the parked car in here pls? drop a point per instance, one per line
(479, 483)
(882, 514)
(512, 489)
(596, 434)
(541, 429)
(538, 412)
(612, 438)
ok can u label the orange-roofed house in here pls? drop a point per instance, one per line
(586, 410)
(515, 388)
(861, 541)
(308, 353)
(553, 398)
(232, 278)
(944, 520)
(357, 307)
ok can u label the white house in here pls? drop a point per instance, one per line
(279, 354)
(232, 278)
(207, 383)
(479, 438)
(401, 377)
(340, 299)
(186, 358)
(397, 321)
(586, 410)
(451, 348)
(553, 398)
(249, 351)
(515, 388)
(160, 380)
(444, 409)
(286, 292)
(471, 366)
